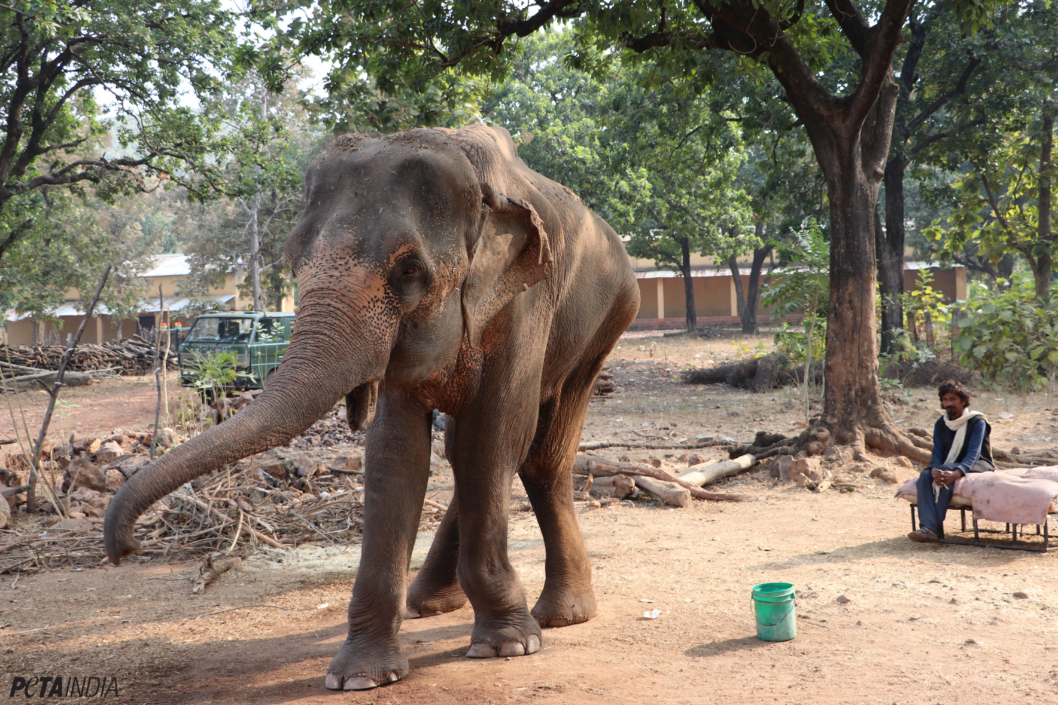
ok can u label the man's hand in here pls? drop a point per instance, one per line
(945, 477)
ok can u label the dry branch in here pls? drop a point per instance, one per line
(211, 569)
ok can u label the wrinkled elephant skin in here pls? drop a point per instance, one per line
(436, 270)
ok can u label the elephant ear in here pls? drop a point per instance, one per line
(511, 254)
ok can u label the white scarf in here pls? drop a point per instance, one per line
(959, 426)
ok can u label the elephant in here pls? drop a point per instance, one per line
(435, 270)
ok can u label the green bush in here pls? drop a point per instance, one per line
(1010, 337)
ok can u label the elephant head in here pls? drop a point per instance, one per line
(402, 256)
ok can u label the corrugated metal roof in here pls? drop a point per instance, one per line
(171, 303)
(168, 266)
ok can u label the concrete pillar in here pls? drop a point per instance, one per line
(661, 297)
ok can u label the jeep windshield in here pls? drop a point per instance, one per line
(220, 330)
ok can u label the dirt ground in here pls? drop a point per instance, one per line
(880, 619)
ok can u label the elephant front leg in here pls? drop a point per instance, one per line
(397, 467)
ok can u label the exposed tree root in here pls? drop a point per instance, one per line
(886, 441)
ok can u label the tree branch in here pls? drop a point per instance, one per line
(942, 100)
(852, 24)
(938, 136)
(15, 233)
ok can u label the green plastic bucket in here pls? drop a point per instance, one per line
(773, 605)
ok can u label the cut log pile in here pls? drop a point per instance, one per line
(674, 490)
(132, 356)
(300, 493)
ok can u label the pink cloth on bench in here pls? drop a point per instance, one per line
(1019, 496)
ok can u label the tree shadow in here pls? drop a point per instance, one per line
(728, 646)
(899, 547)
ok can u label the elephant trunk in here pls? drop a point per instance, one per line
(330, 354)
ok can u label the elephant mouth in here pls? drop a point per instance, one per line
(360, 405)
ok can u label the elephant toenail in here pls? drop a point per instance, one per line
(359, 683)
(533, 644)
(512, 648)
(334, 681)
(393, 677)
(481, 651)
(410, 613)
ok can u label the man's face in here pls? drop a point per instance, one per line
(953, 405)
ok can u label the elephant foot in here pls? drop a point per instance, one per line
(502, 638)
(365, 667)
(428, 601)
(562, 608)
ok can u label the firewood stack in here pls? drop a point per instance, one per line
(133, 356)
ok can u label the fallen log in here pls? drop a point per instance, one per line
(1021, 460)
(772, 371)
(706, 474)
(668, 492)
(585, 465)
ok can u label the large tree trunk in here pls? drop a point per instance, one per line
(1041, 276)
(688, 284)
(748, 298)
(760, 256)
(852, 159)
(890, 248)
(255, 252)
(1043, 280)
(740, 297)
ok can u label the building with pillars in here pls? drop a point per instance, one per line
(663, 300)
(167, 272)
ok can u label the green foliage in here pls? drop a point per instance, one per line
(1009, 336)
(212, 373)
(998, 171)
(802, 288)
(71, 241)
(744, 353)
(146, 56)
(925, 303)
(657, 162)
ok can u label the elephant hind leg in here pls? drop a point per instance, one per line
(567, 597)
(436, 589)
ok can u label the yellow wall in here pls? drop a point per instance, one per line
(950, 282)
(648, 299)
(716, 296)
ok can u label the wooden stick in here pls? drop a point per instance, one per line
(31, 499)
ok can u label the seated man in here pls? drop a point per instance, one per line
(960, 445)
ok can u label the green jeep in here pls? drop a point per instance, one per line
(257, 339)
